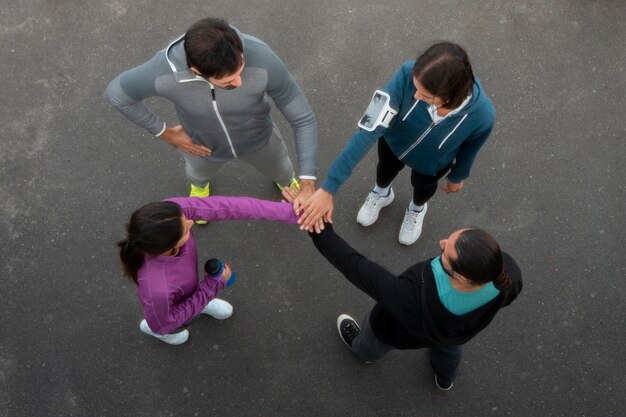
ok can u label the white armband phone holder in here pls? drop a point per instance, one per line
(378, 113)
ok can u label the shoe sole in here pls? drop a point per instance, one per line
(377, 214)
(409, 243)
(443, 389)
(220, 317)
(145, 329)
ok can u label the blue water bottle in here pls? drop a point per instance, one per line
(214, 267)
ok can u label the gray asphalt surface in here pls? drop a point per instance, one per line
(548, 184)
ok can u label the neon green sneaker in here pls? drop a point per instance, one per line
(200, 192)
(293, 181)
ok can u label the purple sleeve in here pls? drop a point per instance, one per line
(163, 317)
(219, 208)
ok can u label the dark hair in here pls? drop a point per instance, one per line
(153, 229)
(479, 259)
(444, 70)
(214, 48)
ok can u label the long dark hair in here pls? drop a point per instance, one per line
(444, 69)
(479, 259)
(153, 229)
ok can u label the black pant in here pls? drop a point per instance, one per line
(445, 360)
(424, 186)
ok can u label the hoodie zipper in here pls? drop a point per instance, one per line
(423, 135)
(197, 78)
(418, 141)
(219, 117)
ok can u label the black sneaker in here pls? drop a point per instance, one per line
(348, 329)
(442, 386)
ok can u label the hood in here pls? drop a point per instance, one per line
(477, 101)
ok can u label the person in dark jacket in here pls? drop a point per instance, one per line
(439, 304)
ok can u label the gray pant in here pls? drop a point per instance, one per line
(444, 360)
(272, 160)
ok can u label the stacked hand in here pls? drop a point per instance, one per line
(315, 211)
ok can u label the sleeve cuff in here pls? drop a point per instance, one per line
(162, 130)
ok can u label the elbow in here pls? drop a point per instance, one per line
(114, 94)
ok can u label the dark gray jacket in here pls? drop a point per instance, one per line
(236, 122)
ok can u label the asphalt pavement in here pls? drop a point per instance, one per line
(548, 185)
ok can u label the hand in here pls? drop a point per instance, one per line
(290, 193)
(227, 272)
(178, 138)
(307, 188)
(318, 208)
(452, 187)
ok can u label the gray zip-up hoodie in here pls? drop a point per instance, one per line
(229, 122)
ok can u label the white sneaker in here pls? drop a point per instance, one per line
(411, 228)
(171, 339)
(219, 309)
(368, 214)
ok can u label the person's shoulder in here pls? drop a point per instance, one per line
(418, 271)
(482, 99)
(253, 46)
(408, 65)
(406, 69)
(480, 108)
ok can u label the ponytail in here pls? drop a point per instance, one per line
(153, 229)
(131, 258)
(503, 281)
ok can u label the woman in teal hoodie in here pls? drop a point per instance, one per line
(442, 118)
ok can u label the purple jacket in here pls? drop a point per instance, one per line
(168, 287)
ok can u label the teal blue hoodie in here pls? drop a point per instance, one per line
(424, 146)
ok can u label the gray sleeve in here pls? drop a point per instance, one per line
(302, 120)
(290, 100)
(129, 89)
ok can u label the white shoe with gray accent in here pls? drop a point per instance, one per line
(411, 228)
(218, 309)
(368, 214)
(171, 339)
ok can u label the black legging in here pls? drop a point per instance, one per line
(424, 186)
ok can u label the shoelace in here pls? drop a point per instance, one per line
(411, 219)
(372, 199)
(351, 331)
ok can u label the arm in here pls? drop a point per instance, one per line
(219, 208)
(368, 276)
(163, 317)
(127, 92)
(467, 153)
(320, 205)
(292, 103)
(362, 141)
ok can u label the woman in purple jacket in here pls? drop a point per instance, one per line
(159, 255)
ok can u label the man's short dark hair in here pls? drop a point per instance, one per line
(214, 48)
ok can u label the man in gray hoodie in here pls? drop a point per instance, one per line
(219, 80)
